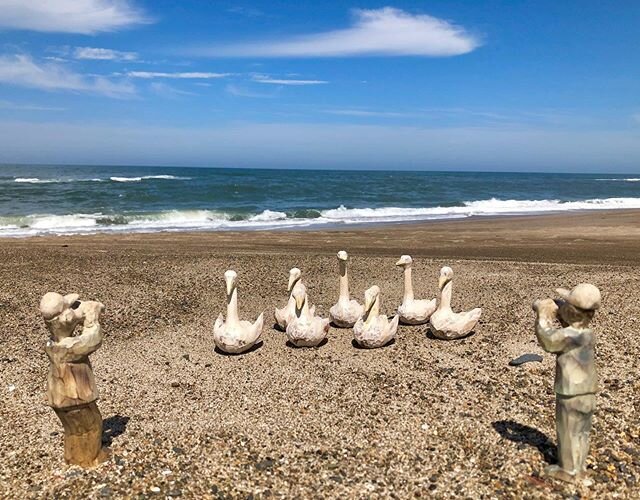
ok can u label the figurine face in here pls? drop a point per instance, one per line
(342, 255)
(370, 297)
(446, 275)
(569, 315)
(61, 314)
(300, 295)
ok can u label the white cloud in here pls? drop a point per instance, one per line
(239, 91)
(275, 81)
(23, 71)
(365, 113)
(185, 75)
(377, 32)
(70, 16)
(103, 54)
(164, 90)
(28, 107)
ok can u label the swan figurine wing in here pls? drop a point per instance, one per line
(308, 332)
(377, 334)
(345, 313)
(417, 312)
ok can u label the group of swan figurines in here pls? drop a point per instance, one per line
(370, 328)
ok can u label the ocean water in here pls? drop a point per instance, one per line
(87, 199)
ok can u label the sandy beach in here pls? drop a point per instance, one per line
(421, 417)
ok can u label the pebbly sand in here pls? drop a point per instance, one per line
(421, 417)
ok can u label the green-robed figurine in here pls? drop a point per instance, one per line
(576, 380)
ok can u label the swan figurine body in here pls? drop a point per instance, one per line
(412, 311)
(346, 311)
(305, 329)
(374, 329)
(233, 335)
(288, 312)
(445, 324)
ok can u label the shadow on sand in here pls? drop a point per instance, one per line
(518, 433)
(112, 427)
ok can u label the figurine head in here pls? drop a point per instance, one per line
(61, 313)
(370, 297)
(405, 261)
(294, 276)
(299, 293)
(446, 275)
(578, 306)
(231, 279)
(343, 256)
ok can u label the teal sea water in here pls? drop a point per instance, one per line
(86, 199)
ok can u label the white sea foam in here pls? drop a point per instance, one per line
(207, 220)
(34, 180)
(628, 179)
(147, 177)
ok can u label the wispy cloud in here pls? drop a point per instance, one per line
(280, 81)
(103, 54)
(377, 32)
(198, 75)
(21, 70)
(240, 91)
(365, 113)
(70, 16)
(28, 107)
(163, 90)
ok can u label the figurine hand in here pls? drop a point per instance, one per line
(92, 311)
(546, 310)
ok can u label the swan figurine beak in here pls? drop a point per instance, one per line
(300, 299)
(230, 278)
(294, 276)
(405, 260)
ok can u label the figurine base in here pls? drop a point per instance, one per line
(557, 472)
(82, 435)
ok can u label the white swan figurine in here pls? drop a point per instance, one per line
(288, 312)
(412, 311)
(445, 324)
(235, 336)
(374, 329)
(305, 329)
(346, 311)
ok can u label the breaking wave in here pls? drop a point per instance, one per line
(212, 220)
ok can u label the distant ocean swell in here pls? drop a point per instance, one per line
(193, 220)
(36, 180)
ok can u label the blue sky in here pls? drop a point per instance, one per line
(469, 85)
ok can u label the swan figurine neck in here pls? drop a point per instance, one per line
(412, 311)
(233, 335)
(345, 312)
(287, 313)
(446, 324)
(374, 329)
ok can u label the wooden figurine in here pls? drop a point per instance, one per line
(576, 380)
(71, 386)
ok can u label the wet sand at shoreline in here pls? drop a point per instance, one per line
(420, 416)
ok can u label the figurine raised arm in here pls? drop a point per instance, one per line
(576, 380)
(71, 386)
